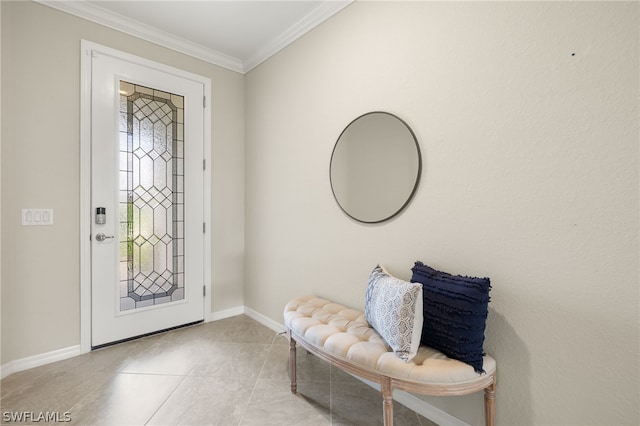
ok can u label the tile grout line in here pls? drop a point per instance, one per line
(184, 377)
(167, 398)
(330, 394)
(255, 384)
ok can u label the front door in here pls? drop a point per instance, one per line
(147, 200)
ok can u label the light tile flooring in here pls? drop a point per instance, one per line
(227, 372)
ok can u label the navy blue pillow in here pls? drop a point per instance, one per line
(455, 313)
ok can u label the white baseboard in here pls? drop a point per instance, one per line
(227, 313)
(420, 406)
(38, 360)
(264, 320)
(427, 410)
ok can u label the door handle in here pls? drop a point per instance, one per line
(101, 237)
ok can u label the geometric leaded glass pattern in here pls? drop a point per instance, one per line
(151, 195)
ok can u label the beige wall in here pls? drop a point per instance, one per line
(40, 168)
(530, 177)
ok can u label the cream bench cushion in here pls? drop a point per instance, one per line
(342, 335)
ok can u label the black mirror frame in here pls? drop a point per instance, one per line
(415, 185)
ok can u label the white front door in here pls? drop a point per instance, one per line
(147, 199)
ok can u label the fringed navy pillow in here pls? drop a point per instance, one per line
(455, 313)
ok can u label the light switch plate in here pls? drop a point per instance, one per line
(37, 217)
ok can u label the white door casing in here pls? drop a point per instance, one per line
(103, 69)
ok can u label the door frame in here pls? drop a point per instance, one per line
(86, 49)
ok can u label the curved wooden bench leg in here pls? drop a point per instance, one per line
(490, 404)
(292, 363)
(387, 400)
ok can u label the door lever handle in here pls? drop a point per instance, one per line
(101, 237)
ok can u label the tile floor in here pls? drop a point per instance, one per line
(227, 372)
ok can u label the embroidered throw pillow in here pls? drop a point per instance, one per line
(455, 313)
(393, 307)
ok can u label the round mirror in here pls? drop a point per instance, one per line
(375, 167)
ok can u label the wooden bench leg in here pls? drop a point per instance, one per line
(490, 404)
(292, 363)
(387, 400)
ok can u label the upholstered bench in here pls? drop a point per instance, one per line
(343, 337)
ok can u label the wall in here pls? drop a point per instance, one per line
(40, 168)
(527, 117)
(0, 181)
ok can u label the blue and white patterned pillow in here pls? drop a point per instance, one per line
(393, 307)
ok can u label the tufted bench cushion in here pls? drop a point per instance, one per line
(343, 335)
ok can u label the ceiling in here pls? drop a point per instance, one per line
(235, 34)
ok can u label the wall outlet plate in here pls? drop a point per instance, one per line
(37, 217)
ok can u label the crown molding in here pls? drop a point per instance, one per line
(320, 14)
(129, 26)
(121, 23)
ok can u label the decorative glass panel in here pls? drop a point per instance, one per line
(151, 197)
